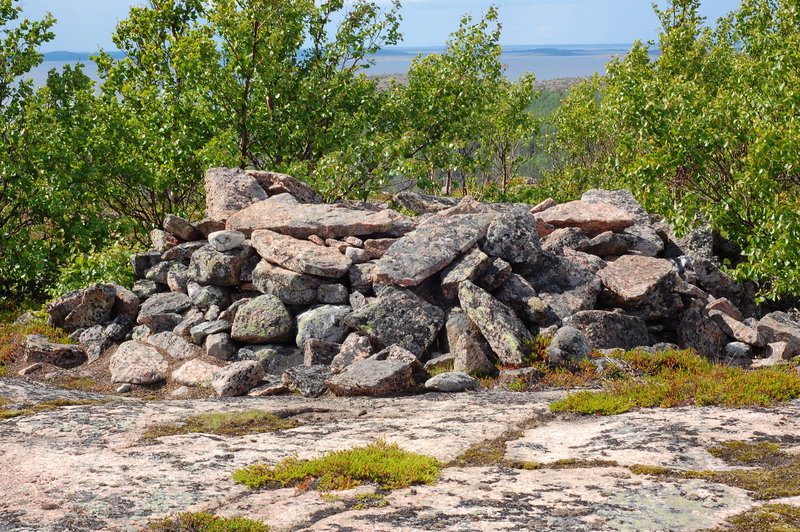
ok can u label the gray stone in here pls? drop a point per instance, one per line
(137, 363)
(610, 243)
(513, 237)
(237, 378)
(518, 294)
(172, 345)
(451, 382)
(144, 289)
(495, 274)
(309, 381)
(622, 199)
(647, 240)
(440, 362)
(333, 294)
(200, 331)
(738, 354)
(226, 240)
(641, 284)
(356, 255)
(212, 314)
(429, 248)
(471, 350)
(261, 320)
(701, 333)
(141, 262)
(568, 345)
(39, 350)
(162, 240)
(229, 314)
(159, 272)
(736, 329)
(212, 267)
(290, 287)
(83, 308)
(592, 218)
(372, 377)
(325, 322)
(377, 247)
(609, 330)
(125, 388)
(300, 256)
(181, 228)
(220, 345)
(544, 205)
(275, 359)
(318, 352)
(399, 317)
(195, 373)
(118, 328)
(94, 341)
(178, 277)
(468, 267)
(361, 277)
(275, 183)
(162, 312)
(207, 296)
(566, 237)
(423, 203)
(192, 318)
(183, 252)
(353, 348)
(229, 190)
(505, 332)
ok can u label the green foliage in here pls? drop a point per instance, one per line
(226, 424)
(110, 265)
(706, 131)
(680, 378)
(380, 463)
(204, 522)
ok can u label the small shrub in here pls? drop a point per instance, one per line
(109, 265)
(225, 424)
(203, 522)
(12, 338)
(381, 463)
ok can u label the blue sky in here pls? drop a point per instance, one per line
(86, 25)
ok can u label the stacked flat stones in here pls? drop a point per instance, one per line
(276, 290)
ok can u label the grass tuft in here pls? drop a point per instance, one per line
(203, 522)
(767, 518)
(380, 463)
(12, 339)
(225, 424)
(45, 406)
(752, 454)
(682, 378)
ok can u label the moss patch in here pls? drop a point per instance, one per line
(203, 522)
(778, 476)
(380, 463)
(43, 407)
(225, 424)
(767, 518)
(492, 451)
(682, 378)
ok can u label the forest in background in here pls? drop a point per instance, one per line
(705, 132)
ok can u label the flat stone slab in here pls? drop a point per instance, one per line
(591, 218)
(303, 220)
(301, 256)
(429, 248)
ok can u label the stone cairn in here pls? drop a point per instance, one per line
(276, 291)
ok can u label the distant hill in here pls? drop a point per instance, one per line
(77, 56)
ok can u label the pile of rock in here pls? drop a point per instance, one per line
(276, 291)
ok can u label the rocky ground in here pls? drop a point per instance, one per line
(88, 467)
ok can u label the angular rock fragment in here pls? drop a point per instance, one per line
(780, 327)
(237, 378)
(471, 350)
(361, 277)
(318, 352)
(643, 284)
(83, 308)
(505, 332)
(220, 345)
(309, 381)
(518, 294)
(566, 237)
(468, 267)
(701, 333)
(229, 190)
(181, 228)
(226, 240)
(144, 288)
(137, 363)
(610, 243)
(263, 319)
(275, 183)
(290, 287)
(610, 330)
(172, 345)
(141, 262)
(300, 256)
(275, 359)
(212, 267)
(591, 218)
(568, 345)
(333, 294)
(325, 322)
(39, 350)
(736, 329)
(494, 275)
(206, 226)
(183, 251)
(429, 248)
(372, 377)
(353, 348)
(178, 277)
(202, 330)
(399, 317)
(513, 237)
(162, 312)
(423, 203)
(195, 373)
(377, 247)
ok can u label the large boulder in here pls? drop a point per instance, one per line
(229, 190)
(325, 322)
(591, 218)
(610, 330)
(781, 327)
(303, 220)
(429, 248)
(566, 284)
(308, 381)
(263, 319)
(423, 203)
(568, 345)
(39, 350)
(162, 312)
(399, 317)
(300, 256)
(641, 284)
(220, 268)
(195, 373)
(701, 333)
(290, 287)
(468, 267)
(181, 228)
(237, 378)
(513, 237)
(83, 308)
(471, 350)
(137, 363)
(372, 377)
(505, 332)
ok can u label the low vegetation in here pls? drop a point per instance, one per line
(45, 406)
(225, 424)
(681, 378)
(767, 518)
(381, 463)
(12, 338)
(204, 522)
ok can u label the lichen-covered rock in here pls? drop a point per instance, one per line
(137, 363)
(162, 241)
(229, 190)
(566, 237)
(94, 341)
(471, 350)
(518, 294)
(183, 251)
(275, 183)
(309, 381)
(780, 327)
(468, 267)
(621, 199)
(303, 220)
(126, 303)
(568, 345)
(591, 218)
(452, 382)
(195, 373)
(610, 243)
(220, 268)
(175, 225)
(83, 308)
(163, 312)
(701, 333)
(172, 345)
(372, 377)
(237, 378)
(361, 278)
(609, 330)
(318, 352)
(275, 359)
(178, 277)
(300, 256)
(505, 332)
(142, 262)
(205, 297)
(513, 237)
(200, 331)
(220, 345)
(495, 274)
(144, 289)
(325, 322)
(429, 248)
(707, 275)
(377, 247)
(353, 348)
(423, 203)
(263, 319)
(642, 284)
(226, 240)
(736, 329)
(333, 294)
(39, 350)
(290, 287)
(399, 317)
(159, 272)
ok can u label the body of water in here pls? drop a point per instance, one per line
(546, 61)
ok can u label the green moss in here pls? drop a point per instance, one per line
(744, 453)
(3, 370)
(43, 407)
(380, 463)
(203, 522)
(767, 518)
(681, 378)
(225, 424)
(370, 500)
(493, 450)
(656, 471)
